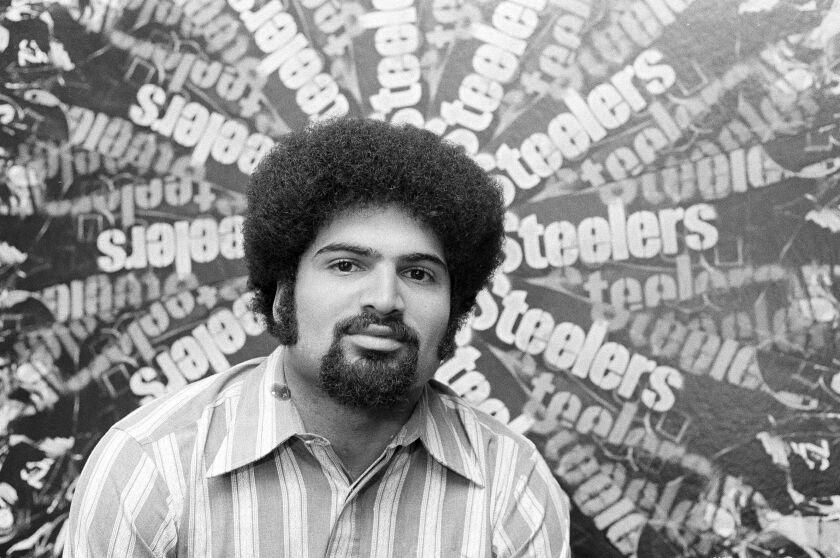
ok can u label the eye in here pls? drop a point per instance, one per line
(344, 266)
(420, 275)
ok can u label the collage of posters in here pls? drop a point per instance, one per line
(666, 323)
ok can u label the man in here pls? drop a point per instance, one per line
(366, 247)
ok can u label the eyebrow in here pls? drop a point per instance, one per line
(414, 257)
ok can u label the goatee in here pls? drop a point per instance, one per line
(376, 379)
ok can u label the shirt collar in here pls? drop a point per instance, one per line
(440, 422)
(263, 420)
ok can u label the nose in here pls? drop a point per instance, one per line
(382, 291)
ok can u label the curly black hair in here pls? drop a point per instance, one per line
(310, 176)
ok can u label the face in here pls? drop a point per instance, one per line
(372, 304)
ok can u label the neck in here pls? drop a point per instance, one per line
(358, 436)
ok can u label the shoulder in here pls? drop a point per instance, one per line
(512, 467)
(482, 429)
(187, 407)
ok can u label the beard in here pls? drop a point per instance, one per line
(376, 379)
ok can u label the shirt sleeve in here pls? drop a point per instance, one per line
(120, 506)
(536, 519)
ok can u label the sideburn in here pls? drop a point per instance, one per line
(446, 349)
(284, 314)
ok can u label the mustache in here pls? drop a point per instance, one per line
(359, 323)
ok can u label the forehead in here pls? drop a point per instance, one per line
(389, 230)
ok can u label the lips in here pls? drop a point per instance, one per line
(369, 332)
(376, 338)
(375, 342)
(377, 331)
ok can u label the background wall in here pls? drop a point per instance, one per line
(665, 325)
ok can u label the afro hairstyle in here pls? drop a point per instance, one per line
(312, 175)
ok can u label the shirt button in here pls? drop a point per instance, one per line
(281, 391)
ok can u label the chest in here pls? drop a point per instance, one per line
(300, 504)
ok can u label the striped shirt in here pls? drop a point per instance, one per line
(225, 468)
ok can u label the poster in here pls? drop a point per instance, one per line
(665, 326)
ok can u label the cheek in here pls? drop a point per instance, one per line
(434, 319)
(315, 316)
